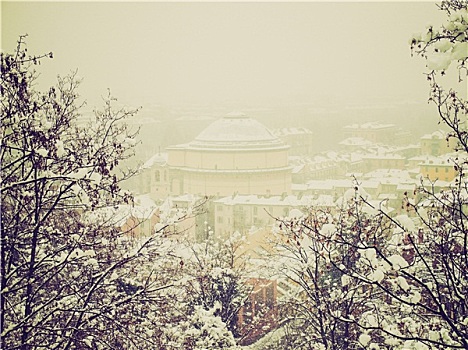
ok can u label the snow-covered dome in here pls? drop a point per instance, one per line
(233, 154)
(236, 129)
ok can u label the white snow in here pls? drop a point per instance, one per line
(439, 60)
(377, 276)
(398, 262)
(460, 50)
(406, 222)
(364, 339)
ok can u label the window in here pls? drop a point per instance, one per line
(220, 220)
(157, 176)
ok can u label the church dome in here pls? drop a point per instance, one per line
(233, 154)
(236, 130)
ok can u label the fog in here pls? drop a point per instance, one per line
(319, 65)
(218, 53)
(290, 177)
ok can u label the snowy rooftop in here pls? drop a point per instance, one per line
(144, 200)
(355, 141)
(290, 200)
(401, 175)
(383, 156)
(407, 186)
(446, 159)
(320, 185)
(438, 135)
(159, 158)
(120, 214)
(299, 187)
(371, 125)
(298, 168)
(334, 184)
(188, 199)
(292, 131)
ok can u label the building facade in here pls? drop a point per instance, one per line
(235, 154)
(437, 143)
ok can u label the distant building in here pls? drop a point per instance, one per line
(259, 311)
(241, 212)
(394, 186)
(355, 143)
(383, 161)
(408, 151)
(301, 140)
(154, 177)
(316, 167)
(134, 221)
(438, 168)
(186, 218)
(374, 132)
(436, 144)
(233, 154)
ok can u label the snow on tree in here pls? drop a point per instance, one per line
(444, 48)
(213, 285)
(217, 279)
(364, 279)
(69, 277)
(204, 330)
(361, 280)
(320, 303)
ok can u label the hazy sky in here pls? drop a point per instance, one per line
(154, 52)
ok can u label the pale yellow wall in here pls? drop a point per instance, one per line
(176, 157)
(206, 159)
(225, 184)
(159, 182)
(225, 172)
(224, 219)
(383, 163)
(443, 172)
(247, 215)
(437, 146)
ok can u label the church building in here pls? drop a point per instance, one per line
(234, 154)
